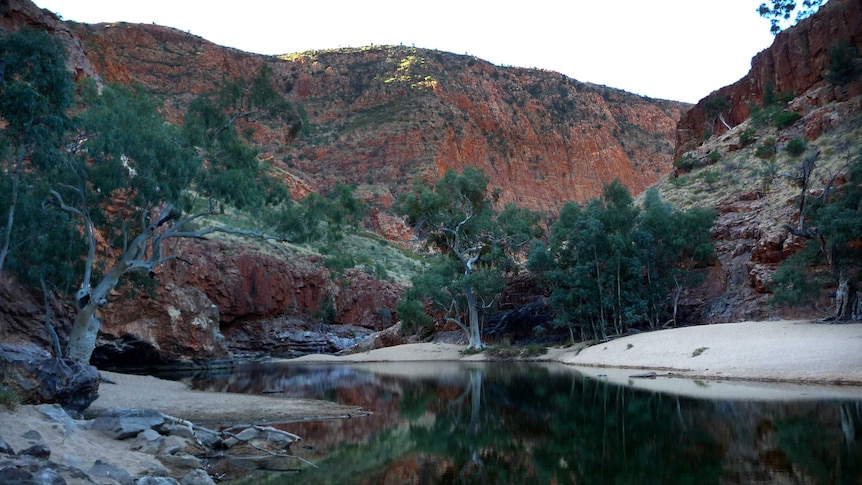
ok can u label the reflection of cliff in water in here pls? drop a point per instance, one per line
(501, 423)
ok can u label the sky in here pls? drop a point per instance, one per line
(669, 49)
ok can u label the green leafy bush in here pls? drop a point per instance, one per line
(845, 65)
(766, 172)
(792, 284)
(747, 137)
(339, 262)
(685, 162)
(710, 177)
(767, 149)
(796, 147)
(785, 118)
(714, 156)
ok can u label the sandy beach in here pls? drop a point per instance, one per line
(747, 360)
(774, 351)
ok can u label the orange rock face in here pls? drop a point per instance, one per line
(376, 118)
(795, 62)
(383, 116)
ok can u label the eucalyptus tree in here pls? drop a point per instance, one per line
(35, 93)
(833, 233)
(613, 266)
(108, 188)
(475, 242)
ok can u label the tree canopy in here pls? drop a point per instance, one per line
(613, 266)
(101, 182)
(780, 12)
(831, 225)
(473, 242)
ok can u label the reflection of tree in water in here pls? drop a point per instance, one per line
(562, 429)
(498, 424)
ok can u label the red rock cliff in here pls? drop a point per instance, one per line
(795, 62)
(381, 116)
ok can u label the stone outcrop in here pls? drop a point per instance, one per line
(39, 378)
(43, 444)
(796, 62)
(220, 298)
(750, 235)
(17, 14)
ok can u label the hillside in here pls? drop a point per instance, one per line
(746, 172)
(378, 117)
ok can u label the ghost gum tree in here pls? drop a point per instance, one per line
(830, 224)
(114, 188)
(474, 242)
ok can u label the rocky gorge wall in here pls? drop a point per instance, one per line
(376, 118)
(750, 234)
(796, 62)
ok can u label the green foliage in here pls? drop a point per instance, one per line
(792, 284)
(615, 265)
(412, 315)
(316, 217)
(747, 137)
(35, 93)
(339, 262)
(212, 125)
(327, 312)
(767, 149)
(129, 148)
(686, 162)
(715, 106)
(35, 89)
(773, 111)
(780, 12)
(785, 118)
(845, 64)
(710, 177)
(714, 156)
(474, 239)
(840, 225)
(796, 147)
(9, 398)
(766, 171)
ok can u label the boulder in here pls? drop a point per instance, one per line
(101, 469)
(156, 481)
(120, 424)
(196, 477)
(38, 378)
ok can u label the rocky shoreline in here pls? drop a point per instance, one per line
(131, 435)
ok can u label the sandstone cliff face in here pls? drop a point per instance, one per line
(222, 299)
(796, 62)
(750, 234)
(376, 118)
(381, 116)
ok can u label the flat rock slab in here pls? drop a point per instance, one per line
(120, 424)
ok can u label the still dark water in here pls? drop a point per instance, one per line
(507, 423)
